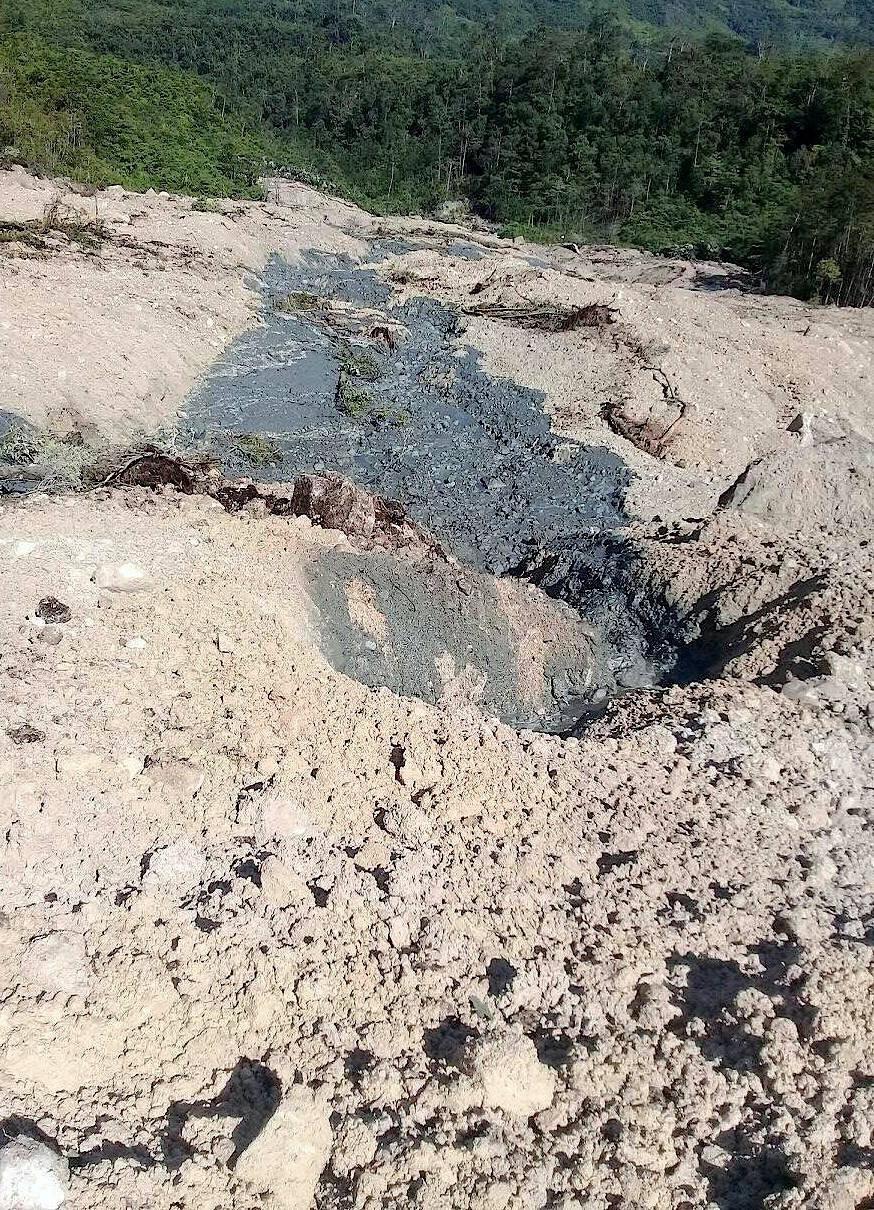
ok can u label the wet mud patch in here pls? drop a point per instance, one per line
(339, 378)
(447, 635)
(391, 397)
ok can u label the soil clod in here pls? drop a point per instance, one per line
(53, 611)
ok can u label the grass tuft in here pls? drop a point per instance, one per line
(356, 363)
(55, 463)
(256, 449)
(358, 404)
(297, 300)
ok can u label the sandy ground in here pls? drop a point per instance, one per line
(499, 969)
(706, 379)
(111, 342)
(274, 937)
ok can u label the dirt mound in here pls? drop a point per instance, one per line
(828, 483)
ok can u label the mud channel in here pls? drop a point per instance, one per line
(340, 378)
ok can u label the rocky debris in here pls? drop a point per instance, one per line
(76, 764)
(26, 733)
(510, 1075)
(845, 685)
(122, 577)
(816, 428)
(50, 635)
(726, 596)
(335, 503)
(327, 500)
(282, 885)
(32, 1176)
(57, 963)
(828, 481)
(174, 776)
(354, 1146)
(176, 868)
(53, 611)
(289, 1154)
(492, 957)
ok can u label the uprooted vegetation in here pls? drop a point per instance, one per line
(48, 462)
(358, 366)
(44, 459)
(357, 362)
(255, 449)
(58, 220)
(328, 500)
(547, 318)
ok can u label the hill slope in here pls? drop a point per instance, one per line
(277, 934)
(624, 133)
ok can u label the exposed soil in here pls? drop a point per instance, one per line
(445, 634)
(292, 914)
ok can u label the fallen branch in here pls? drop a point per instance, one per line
(548, 319)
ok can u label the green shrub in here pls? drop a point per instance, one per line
(101, 120)
(297, 300)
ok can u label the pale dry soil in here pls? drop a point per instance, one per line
(275, 938)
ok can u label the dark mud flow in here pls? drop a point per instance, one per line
(339, 379)
(394, 399)
(444, 633)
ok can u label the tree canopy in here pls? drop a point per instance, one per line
(652, 125)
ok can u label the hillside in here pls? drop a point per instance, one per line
(775, 22)
(438, 28)
(504, 844)
(756, 149)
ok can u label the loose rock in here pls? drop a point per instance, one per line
(122, 577)
(32, 1176)
(51, 610)
(510, 1074)
(286, 1159)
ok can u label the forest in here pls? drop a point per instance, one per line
(728, 129)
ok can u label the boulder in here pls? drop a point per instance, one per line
(510, 1075)
(32, 1176)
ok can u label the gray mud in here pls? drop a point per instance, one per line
(472, 457)
(339, 378)
(449, 634)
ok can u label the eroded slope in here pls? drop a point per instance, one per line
(275, 936)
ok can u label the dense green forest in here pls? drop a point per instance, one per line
(99, 118)
(655, 125)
